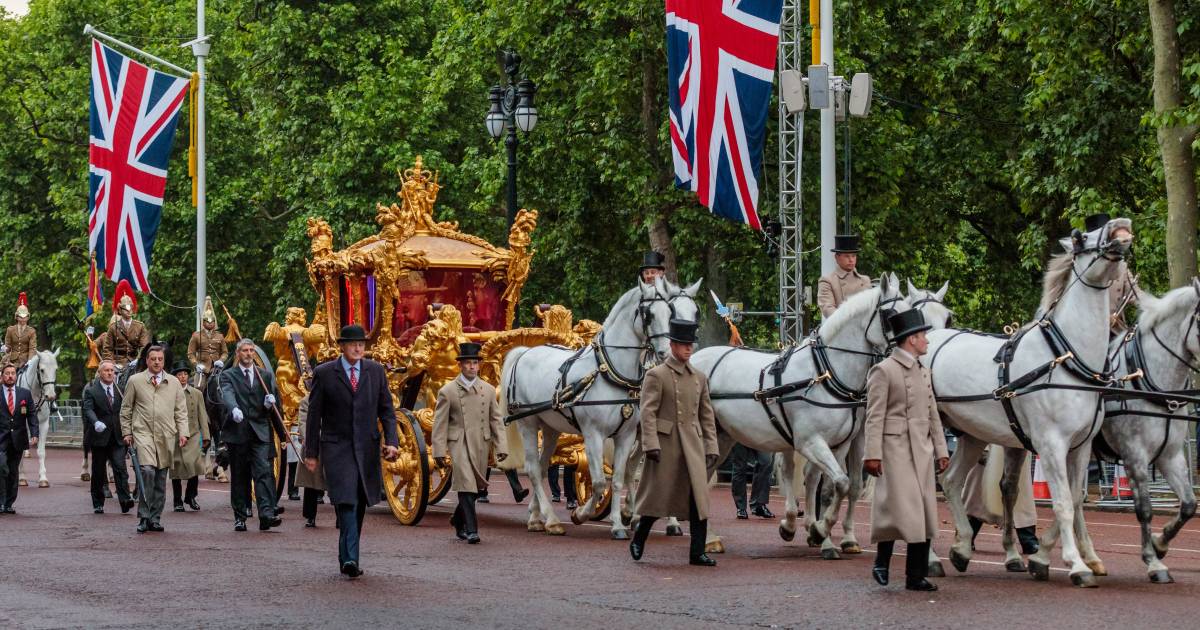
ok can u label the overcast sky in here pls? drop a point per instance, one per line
(20, 7)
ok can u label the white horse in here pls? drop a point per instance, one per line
(1163, 347)
(803, 399)
(39, 378)
(1058, 348)
(592, 392)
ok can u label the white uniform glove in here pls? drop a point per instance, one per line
(218, 364)
(100, 426)
(4, 348)
(269, 400)
(237, 414)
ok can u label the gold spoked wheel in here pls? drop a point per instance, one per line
(406, 480)
(583, 489)
(439, 481)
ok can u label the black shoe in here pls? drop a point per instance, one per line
(239, 525)
(9, 510)
(702, 560)
(520, 495)
(280, 510)
(98, 510)
(763, 511)
(555, 499)
(742, 514)
(472, 539)
(142, 526)
(157, 527)
(126, 506)
(311, 522)
(293, 496)
(880, 574)
(482, 499)
(636, 548)
(195, 505)
(458, 528)
(178, 507)
(920, 585)
(572, 504)
(351, 570)
(267, 523)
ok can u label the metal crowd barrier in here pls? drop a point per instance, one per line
(1115, 491)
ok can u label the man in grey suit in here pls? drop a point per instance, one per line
(248, 394)
(102, 415)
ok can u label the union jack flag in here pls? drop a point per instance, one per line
(720, 68)
(134, 111)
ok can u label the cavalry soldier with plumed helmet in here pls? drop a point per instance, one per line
(836, 286)
(20, 340)
(207, 348)
(126, 335)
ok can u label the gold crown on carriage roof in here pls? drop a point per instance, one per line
(419, 178)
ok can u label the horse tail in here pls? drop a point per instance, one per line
(507, 388)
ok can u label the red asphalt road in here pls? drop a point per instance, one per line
(63, 566)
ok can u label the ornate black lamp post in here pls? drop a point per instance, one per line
(512, 107)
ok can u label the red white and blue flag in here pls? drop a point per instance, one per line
(720, 69)
(134, 113)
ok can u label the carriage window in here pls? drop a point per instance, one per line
(478, 298)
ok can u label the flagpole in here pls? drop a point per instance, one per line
(200, 48)
(88, 29)
(828, 150)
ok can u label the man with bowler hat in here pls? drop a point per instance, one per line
(905, 449)
(652, 266)
(838, 285)
(348, 402)
(679, 437)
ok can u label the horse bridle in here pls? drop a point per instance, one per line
(932, 300)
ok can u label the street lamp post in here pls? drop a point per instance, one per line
(511, 107)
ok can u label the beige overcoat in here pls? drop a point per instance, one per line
(313, 480)
(678, 419)
(21, 342)
(904, 431)
(155, 417)
(188, 462)
(466, 426)
(835, 286)
(985, 504)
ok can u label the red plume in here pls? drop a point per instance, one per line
(21, 300)
(123, 289)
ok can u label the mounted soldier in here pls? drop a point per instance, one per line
(20, 340)
(126, 336)
(836, 286)
(207, 348)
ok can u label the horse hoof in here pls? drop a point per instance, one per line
(556, 529)
(536, 527)
(829, 553)
(1161, 577)
(1084, 580)
(851, 548)
(620, 534)
(1014, 566)
(674, 530)
(1097, 568)
(1040, 570)
(959, 561)
(626, 518)
(23, 483)
(575, 517)
(815, 533)
(715, 546)
(936, 570)
(787, 534)
(85, 477)
(43, 484)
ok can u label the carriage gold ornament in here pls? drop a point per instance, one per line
(287, 373)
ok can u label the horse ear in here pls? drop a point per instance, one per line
(56, 351)
(1196, 285)
(912, 290)
(884, 289)
(1067, 244)
(692, 290)
(941, 293)
(1146, 300)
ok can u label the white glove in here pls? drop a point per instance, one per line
(100, 426)
(237, 414)
(4, 349)
(218, 364)
(269, 400)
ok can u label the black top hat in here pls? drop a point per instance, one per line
(180, 366)
(469, 351)
(846, 244)
(682, 331)
(1095, 222)
(653, 260)
(353, 332)
(907, 323)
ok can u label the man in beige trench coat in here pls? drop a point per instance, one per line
(905, 446)
(187, 463)
(679, 437)
(153, 419)
(466, 427)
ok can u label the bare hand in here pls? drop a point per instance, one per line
(654, 455)
(182, 441)
(390, 453)
(942, 464)
(128, 440)
(311, 464)
(873, 467)
(33, 442)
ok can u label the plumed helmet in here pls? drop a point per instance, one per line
(22, 305)
(208, 315)
(123, 299)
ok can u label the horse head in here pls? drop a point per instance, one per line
(658, 304)
(1095, 254)
(1173, 318)
(889, 300)
(932, 305)
(47, 371)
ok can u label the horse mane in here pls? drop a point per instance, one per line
(856, 306)
(1056, 279)
(632, 295)
(1153, 313)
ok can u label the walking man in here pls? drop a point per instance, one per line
(466, 427)
(679, 437)
(745, 461)
(905, 448)
(153, 420)
(101, 413)
(349, 401)
(249, 395)
(18, 432)
(187, 461)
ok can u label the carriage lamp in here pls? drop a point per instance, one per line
(511, 108)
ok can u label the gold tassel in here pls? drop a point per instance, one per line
(192, 94)
(232, 334)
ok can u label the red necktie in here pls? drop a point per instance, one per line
(353, 382)
(154, 380)
(11, 405)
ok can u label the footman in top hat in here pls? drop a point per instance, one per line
(653, 266)
(835, 287)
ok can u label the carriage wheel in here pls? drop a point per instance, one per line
(406, 480)
(583, 489)
(439, 481)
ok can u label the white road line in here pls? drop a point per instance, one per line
(1139, 547)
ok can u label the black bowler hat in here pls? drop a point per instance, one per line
(180, 366)
(846, 244)
(653, 260)
(469, 352)
(907, 323)
(682, 331)
(353, 332)
(1095, 222)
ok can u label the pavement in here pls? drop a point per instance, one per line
(66, 567)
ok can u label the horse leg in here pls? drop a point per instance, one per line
(593, 446)
(1058, 468)
(1078, 461)
(533, 469)
(953, 480)
(854, 468)
(622, 446)
(1014, 459)
(85, 473)
(1156, 570)
(43, 430)
(1175, 470)
(812, 500)
(787, 469)
(818, 452)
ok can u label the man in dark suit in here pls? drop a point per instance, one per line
(18, 431)
(348, 402)
(248, 394)
(102, 421)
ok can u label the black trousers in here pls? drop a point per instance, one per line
(104, 457)
(745, 460)
(251, 462)
(916, 565)
(350, 520)
(464, 514)
(697, 528)
(10, 473)
(193, 485)
(308, 507)
(291, 478)
(568, 485)
(514, 482)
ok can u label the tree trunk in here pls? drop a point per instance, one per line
(660, 233)
(714, 331)
(1175, 144)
